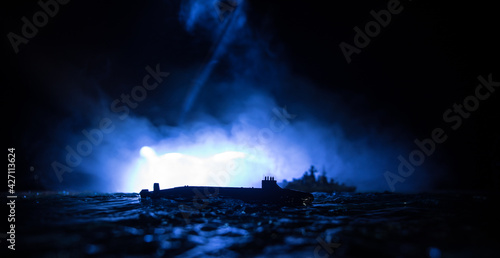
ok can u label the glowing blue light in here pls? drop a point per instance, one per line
(177, 169)
(434, 252)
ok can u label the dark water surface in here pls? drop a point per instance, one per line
(336, 225)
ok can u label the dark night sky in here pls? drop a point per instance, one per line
(426, 59)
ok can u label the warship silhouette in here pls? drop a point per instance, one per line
(269, 193)
(309, 183)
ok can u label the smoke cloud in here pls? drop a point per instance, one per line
(242, 115)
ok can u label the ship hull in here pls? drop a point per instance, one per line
(273, 195)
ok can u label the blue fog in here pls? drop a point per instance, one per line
(240, 114)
